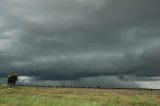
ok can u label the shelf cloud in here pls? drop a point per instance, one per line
(57, 40)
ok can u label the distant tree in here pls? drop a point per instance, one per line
(63, 86)
(98, 87)
(12, 78)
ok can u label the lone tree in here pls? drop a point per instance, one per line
(12, 78)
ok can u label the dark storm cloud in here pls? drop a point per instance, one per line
(145, 64)
(73, 39)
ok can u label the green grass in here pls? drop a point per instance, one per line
(41, 96)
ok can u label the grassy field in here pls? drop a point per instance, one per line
(47, 96)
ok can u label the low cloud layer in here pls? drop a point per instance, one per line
(76, 39)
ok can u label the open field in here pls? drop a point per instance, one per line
(47, 96)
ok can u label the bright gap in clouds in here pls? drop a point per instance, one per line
(101, 81)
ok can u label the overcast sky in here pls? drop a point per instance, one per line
(109, 43)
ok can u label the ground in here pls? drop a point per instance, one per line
(49, 96)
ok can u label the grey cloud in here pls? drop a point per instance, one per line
(73, 39)
(144, 64)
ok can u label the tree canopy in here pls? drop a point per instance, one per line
(12, 78)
